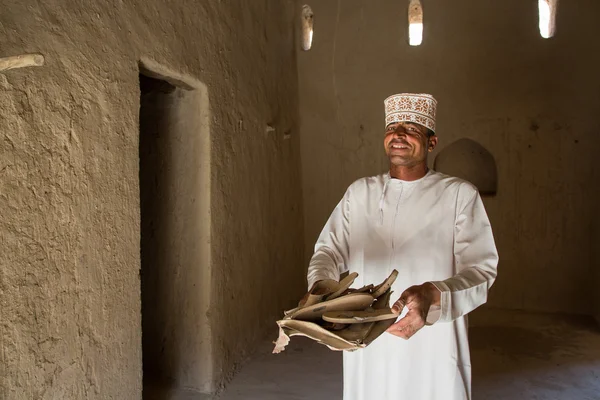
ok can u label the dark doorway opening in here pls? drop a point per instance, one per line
(174, 154)
(156, 102)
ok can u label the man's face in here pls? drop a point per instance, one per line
(407, 143)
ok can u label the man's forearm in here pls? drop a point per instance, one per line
(322, 266)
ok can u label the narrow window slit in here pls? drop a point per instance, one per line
(415, 22)
(547, 17)
(307, 27)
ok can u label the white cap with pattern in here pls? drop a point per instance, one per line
(419, 108)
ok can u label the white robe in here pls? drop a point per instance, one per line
(434, 229)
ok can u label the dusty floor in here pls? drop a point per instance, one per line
(516, 356)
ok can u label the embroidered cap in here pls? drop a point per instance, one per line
(411, 107)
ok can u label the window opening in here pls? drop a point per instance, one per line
(415, 22)
(307, 27)
(547, 17)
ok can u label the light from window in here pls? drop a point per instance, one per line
(415, 23)
(415, 34)
(547, 11)
(307, 27)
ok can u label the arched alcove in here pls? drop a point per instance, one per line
(469, 160)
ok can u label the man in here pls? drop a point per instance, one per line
(434, 230)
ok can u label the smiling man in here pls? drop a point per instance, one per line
(434, 230)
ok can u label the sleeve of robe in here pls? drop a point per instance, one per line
(330, 258)
(476, 261)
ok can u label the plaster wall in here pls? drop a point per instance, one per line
(596, 280)
(70, 313)
(531, 102)
(596, 249)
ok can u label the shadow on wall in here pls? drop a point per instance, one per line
(468, 160)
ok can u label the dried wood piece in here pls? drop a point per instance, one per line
(343, 286)
(381, 289)
(332, 326)
(383, 301)
(351, 302)
(364, 289)
(378, 329)
(282, 341)
(22, 61)
(308, 321)
(317, 294)
(356, 332)
(359, 317)
(320, 291)
(292, 327)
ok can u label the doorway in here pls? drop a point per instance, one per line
(174, 179)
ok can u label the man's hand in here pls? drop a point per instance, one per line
(418, 300)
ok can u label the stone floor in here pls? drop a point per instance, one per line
(515, 355)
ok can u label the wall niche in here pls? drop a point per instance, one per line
(467, 159)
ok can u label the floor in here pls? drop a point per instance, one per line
(515, 355)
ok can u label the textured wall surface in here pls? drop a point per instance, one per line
(595, 281)
(533, 103)
(70, 323)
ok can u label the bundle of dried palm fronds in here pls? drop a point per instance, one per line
(339, 317)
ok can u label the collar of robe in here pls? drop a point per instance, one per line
(393, 181)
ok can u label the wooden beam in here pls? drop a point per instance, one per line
(22, 61)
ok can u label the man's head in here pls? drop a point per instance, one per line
(410, 128)
(407, 143)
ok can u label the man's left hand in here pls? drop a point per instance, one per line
(417, 299)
